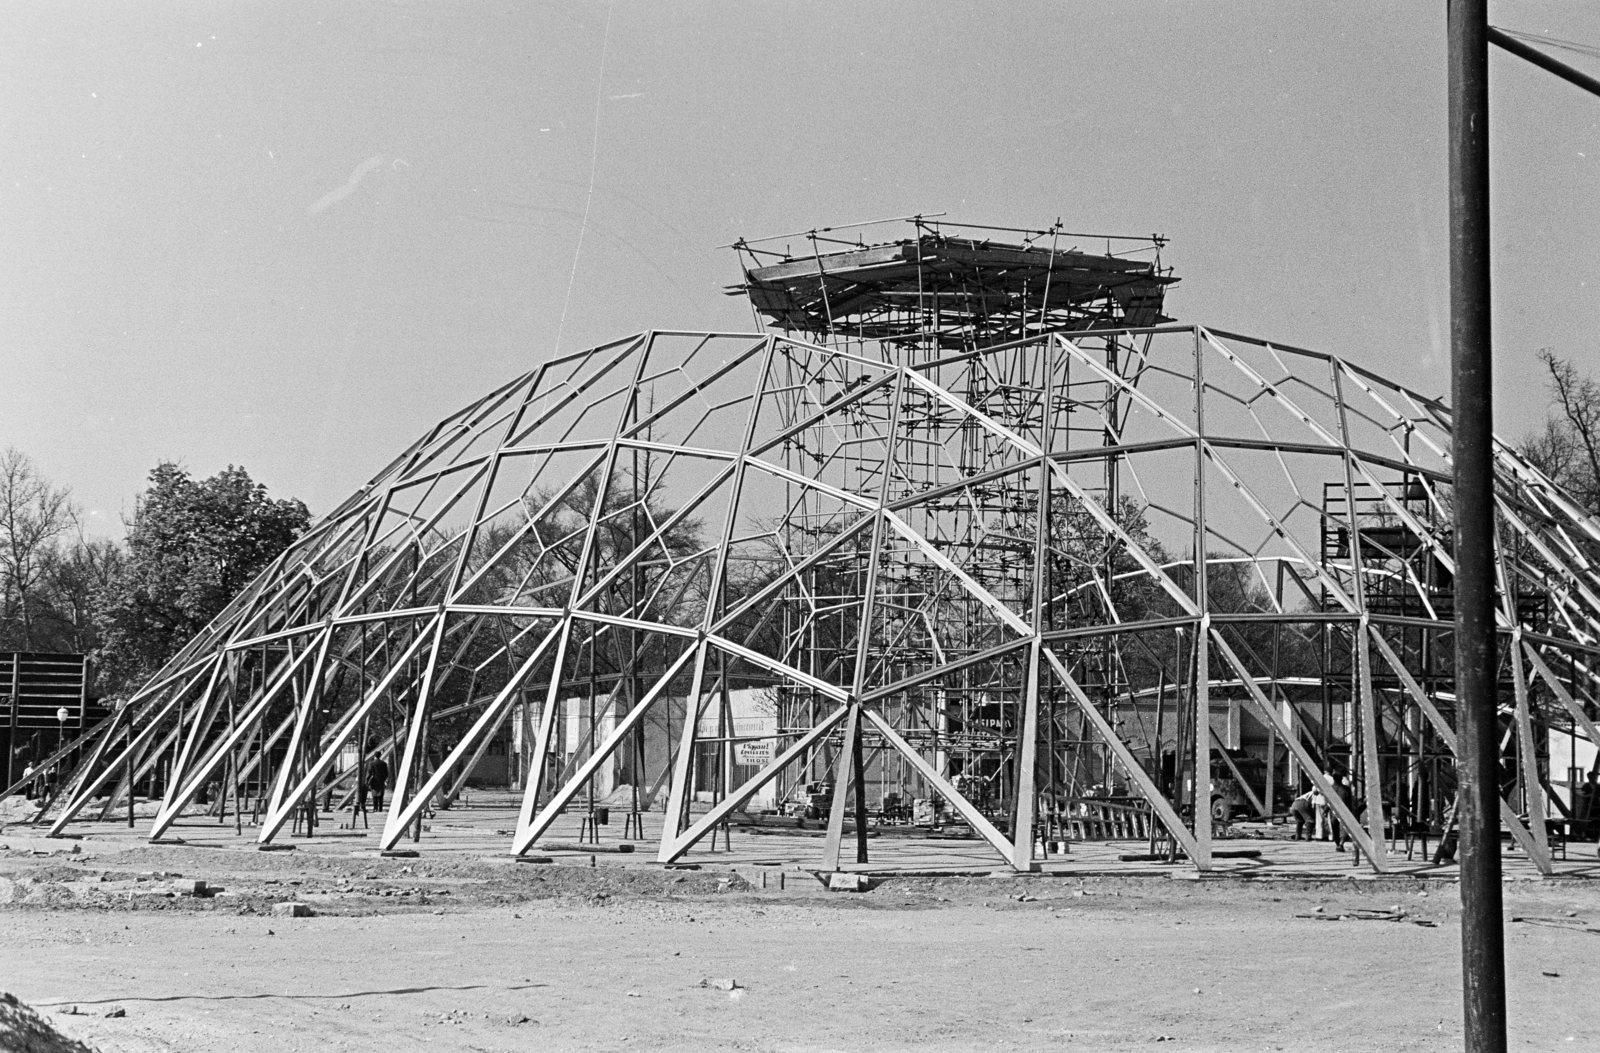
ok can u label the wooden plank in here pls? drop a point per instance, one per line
(833, 262)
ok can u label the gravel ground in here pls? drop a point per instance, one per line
(463, 953)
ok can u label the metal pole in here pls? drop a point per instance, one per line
(1482, 933)
(11, 729)
(130, 768)
(859, 775)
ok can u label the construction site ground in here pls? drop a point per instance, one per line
(461, 947)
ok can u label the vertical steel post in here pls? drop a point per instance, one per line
(1201, 856)
(1482, 933)
(11, 728)
(858, 768)
(130, 765)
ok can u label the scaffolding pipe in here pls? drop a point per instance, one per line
(1501, 39)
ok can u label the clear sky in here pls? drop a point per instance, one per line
(291, 235)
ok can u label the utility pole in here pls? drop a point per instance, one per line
(1483, 973)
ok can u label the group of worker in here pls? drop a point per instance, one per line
(37, 783)
(1314, 816)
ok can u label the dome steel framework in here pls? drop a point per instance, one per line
(967, 575)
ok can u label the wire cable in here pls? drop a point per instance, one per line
(594, 162)
(1554, 42)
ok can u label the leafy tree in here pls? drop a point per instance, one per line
(192, 545)
(538, 570)
(1083, 555)
(76, 582)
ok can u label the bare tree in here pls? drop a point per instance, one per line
(33, 514)
(77, 580)
(1567, 448)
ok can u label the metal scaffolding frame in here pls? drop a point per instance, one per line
(1015, 576)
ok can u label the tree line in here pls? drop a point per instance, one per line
(190, 546)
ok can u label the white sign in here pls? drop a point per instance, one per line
(757, 754)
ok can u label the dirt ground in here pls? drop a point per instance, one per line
(487, 954)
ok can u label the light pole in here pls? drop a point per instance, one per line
(1471, 428)
(1477, 647)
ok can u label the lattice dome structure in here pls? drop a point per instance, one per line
(1087, 577)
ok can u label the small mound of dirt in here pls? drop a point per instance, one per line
(735, 883)
(62, 873)
(22, 1030)
(17, 809)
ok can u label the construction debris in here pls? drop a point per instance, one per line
(839, 881)
(1363, 914)
(1573, 924)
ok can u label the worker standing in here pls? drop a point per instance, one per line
(1319, 805)
(1584, 802)
(1342, 788)
(377, 780)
